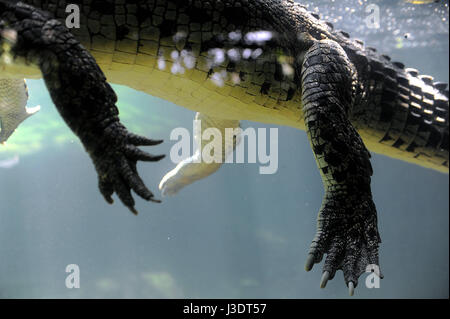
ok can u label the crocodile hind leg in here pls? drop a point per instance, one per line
(347, 223)
(193, 168)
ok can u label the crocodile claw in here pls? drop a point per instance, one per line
(351, 288)
(309, 264)
(324, 280)
(115, 160)
(141, 140)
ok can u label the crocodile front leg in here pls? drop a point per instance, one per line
(82, 96)
(347, 222)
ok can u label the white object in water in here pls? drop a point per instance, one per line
(10, 162)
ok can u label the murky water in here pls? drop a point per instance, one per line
(237, 234)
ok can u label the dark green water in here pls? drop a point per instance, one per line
(237, 234)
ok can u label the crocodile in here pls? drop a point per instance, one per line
(270, 61)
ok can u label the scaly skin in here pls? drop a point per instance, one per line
(308, 76)
(13, 110)
(83, 97)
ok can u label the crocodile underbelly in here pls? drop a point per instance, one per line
(196, 91)
(193, 90)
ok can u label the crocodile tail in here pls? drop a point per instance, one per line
(398, 112)
(428, 113)
(413, 115)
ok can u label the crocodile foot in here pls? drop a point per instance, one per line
(115, 157)
(185, 173)
(170, 184)
(348, 235)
